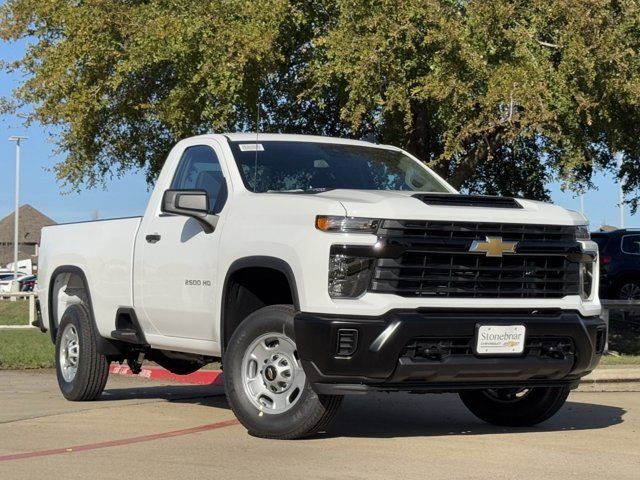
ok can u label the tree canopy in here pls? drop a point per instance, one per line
(498, 96)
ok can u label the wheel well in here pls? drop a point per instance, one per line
(249, 289)
(67, 288)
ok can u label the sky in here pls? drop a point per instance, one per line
(127, 196)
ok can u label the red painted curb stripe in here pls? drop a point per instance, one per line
(201, 377)
(117, 443)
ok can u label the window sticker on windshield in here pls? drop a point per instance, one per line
(251, 147)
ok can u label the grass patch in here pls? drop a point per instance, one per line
(25, 349)
(14, 313)
(621, 360)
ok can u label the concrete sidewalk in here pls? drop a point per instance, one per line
(614, 374)
(155, 430)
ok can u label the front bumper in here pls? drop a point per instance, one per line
(383, 361)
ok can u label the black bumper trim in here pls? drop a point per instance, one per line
(431, 387)
(377, 365)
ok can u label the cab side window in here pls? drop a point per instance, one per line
(199, 169)
(631, 244)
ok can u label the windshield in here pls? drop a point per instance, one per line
(276, 166)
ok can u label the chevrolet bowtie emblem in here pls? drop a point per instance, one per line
(493, 246)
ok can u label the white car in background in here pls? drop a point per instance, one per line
(6, 277)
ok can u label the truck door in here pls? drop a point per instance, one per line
(175, 260)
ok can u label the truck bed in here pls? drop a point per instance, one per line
(103, 251)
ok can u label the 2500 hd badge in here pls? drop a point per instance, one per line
(198, 283)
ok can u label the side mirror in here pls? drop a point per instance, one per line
(190, 203)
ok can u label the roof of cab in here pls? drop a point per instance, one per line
(286, 137)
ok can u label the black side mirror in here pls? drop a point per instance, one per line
(190, 203)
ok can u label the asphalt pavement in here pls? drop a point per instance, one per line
(145, 429)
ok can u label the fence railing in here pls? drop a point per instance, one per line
(31, 297)
(623, 306)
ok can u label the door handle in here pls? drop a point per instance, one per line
(153, 238)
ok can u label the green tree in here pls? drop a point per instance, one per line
(499, 96)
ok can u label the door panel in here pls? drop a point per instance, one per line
(174, 289)
(176, 286)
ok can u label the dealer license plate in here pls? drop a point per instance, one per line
(500, 339)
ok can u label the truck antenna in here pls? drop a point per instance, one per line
(255, 166)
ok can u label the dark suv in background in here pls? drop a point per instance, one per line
(619, 263)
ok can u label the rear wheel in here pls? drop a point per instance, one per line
(81, 370)
(515, 407)
(266, 386)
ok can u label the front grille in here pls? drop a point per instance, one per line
(420, 229)
(439, 348)
(436, 262)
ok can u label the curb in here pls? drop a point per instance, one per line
(612, 375)
(609, 380)
(201, 377)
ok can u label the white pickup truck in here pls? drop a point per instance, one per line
(315, 267)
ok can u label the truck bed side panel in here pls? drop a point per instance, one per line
(103, 250)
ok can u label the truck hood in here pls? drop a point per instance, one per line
(403, 205)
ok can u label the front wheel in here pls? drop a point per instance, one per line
(515, 407)
(266, 386)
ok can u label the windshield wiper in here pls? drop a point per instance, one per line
(317, 190)
(300, 190)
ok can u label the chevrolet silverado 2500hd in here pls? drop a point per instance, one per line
(316, 267)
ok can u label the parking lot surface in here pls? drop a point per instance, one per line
(145, 429)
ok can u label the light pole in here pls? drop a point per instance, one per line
(17, 139)
(620, 192)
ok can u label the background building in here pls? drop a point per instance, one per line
(30, 223)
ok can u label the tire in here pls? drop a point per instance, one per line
(263, 348)
(515, 407)
(91, 368)
(175, 365)
(628, 290)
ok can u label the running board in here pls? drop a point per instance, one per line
(128, 335)
(128, 328)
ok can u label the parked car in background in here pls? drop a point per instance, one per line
(619, 263)
(28, 283)
(6, 277)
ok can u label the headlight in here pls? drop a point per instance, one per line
(582, 232)
(348, 276)
(328, 223)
